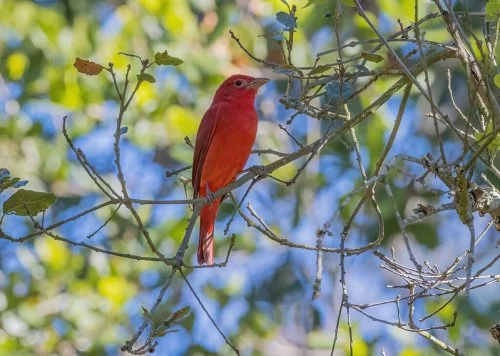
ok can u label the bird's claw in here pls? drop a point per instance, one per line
(209, 195)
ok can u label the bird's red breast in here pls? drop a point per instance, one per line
(223, 144)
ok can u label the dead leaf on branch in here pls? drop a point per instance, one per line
(87, 67)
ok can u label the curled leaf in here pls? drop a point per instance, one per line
(87, 67)
(163, 58)
(146, 77)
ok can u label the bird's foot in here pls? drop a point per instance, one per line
(210, 196)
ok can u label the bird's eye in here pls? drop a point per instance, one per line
(238, 83)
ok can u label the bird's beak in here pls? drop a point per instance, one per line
(257, 82)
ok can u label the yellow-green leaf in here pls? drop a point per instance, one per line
(493, 145)
(492, 10)
(163, 58)
(497, 80)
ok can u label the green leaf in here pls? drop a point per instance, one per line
(492, 10)
(164, 59)
(372, 57)
(313, 2)
(319, 69)
(28, 202)
(495, 144)
(286, 20)
(146, 77)
(497, 80)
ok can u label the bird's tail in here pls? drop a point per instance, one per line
(206, 241)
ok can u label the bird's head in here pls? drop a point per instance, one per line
(239, 88)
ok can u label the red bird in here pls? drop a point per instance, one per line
(223, 144)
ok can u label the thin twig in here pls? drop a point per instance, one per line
(208, 314)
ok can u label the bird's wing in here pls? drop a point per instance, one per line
(202, 144)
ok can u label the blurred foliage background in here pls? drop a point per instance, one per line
(58, 299)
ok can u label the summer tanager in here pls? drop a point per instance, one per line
(223, 144)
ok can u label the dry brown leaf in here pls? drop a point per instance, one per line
(87, 67)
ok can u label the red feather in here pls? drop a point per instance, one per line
(223, 144)
(203, 138)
